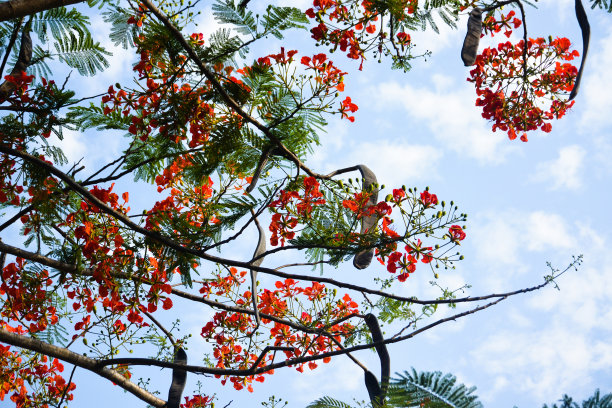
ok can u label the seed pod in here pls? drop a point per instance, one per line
(472, 37)
(363, 259)
(260, 249)
(585, 27)
(263, 160)
(383, 353)
(372, 386)
(179, 378)
(23, 61)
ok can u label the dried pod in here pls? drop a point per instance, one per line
(381, 350)
(263, 160)
(585, 27)
(23, 61)
(179, 378)
(372, 386)
(472, 37)
(363, 259)
(260, 249)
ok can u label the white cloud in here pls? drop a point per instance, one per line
(538, 358)
(120, 62)
(562, 10)
(563, 172)
(503, 234)
(396, 163)
(436, 42)
(546, 231)
(498, 239)
(91, 149)
(597, 88)
(505, 239)
(206, 23)
(558, 341)
(450, 115)
(72, 144)
(314, 384)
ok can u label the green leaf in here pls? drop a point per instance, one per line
(61, 21)
(432, 388)
(328, 402)
(79, 51)
(227, 12)
(122, 33)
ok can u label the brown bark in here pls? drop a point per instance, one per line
(80, 361)
(22, 8)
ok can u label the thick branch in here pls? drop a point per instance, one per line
(74, 270)
(297, 360)
(22, 8)
(80, 361)
(245, 372)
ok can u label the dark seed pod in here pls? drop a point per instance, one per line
(260, 249)
(472, 37)
(363, 259)
(263, 160)
(372, 386)
(179, 378)
(585, 27)
(381, 350)
(23, 61)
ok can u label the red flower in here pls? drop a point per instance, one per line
(398, 194)
(167, 304)
(456, 233)
(428, 199)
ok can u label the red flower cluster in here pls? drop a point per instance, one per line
(292, 208)
(226, 327)
(325, 71)
(518, 103)
(508, 22)
(30, 380)
(351, 30)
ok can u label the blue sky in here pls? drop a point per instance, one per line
(528, 203)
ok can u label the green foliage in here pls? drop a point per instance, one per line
(328, 402)
(435, 389)
(80, 52)
(391, 310)
(61, 22)
(92, 117)
(419, 389)
(602, 4)
(595, 401)
(276, 19)
(39, 66)
(223, 46)
(228, 13)
(121, 33)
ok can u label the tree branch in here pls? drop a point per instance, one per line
(297, 360)
(73, 269)
(22, 8)
(266, 130)
(80, 361)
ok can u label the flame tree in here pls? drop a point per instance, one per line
(223, 136)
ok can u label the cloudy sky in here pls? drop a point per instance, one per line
(528, 204)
